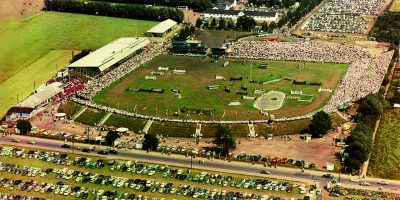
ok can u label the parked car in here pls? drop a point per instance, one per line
(102, 152)
(265, 172)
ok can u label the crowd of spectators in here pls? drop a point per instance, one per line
(357, 194)
(297, 51)
(99, 83)
(344, 16)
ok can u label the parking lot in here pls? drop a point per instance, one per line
(51, 174)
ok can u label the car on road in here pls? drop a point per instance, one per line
(66, 146)
(86, 150)
(31, 142)
(265, 172)
(364, 183)
(102, 152)
(319, 192)
(15, 140)
(328, 176)
(112, 151)
(383, 182)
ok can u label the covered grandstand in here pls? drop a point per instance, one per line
(161, 29)
(107, 56)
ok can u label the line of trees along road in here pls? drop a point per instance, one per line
(132, 11)
(197, 5)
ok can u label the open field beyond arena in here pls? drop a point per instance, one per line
(200, 73)
(385, 156)
(30, 46)
(395, 6)
(216, 38)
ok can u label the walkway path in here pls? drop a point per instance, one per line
(79, 113)
(104, 119)
(147, 126)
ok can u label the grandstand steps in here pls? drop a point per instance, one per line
(147, 126)
(104, 119)
(252, 132)
(79, 113)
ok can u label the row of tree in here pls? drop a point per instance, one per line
(360, 141)
(273, 3)
(132, 11)
(197, 5)
(185, 33)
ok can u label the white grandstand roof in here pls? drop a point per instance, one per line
(162, 26)
(43, 94)
(112, 53)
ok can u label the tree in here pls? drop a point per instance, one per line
(24, 126)
(231, 24)
(199, 22)
(245, 23)
(371, 105)
(213, 23)
(320, 124)
(224, 139)
(111, 137)
(150, 142)
(265, 26)
(206, 24)
(221, 23)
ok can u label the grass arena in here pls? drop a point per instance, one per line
(229, 89)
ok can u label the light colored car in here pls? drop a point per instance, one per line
(383, 182)
(31, 142)
(364, 183)
(355, 180)
(319, 192)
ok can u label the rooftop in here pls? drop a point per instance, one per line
(111, 53)
(162, 26)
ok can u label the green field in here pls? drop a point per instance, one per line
(200, 73)
(385, 156)
(215, 38)
(33, 48)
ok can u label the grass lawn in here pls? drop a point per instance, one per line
(395, 6)
(30, 47)
(195, 95)
(132, 124)
(215, 38)
(106, 171)
(385, 156)
(173, 129)
(91, 116)
(70, 108)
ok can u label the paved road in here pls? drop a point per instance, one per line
(309, 176)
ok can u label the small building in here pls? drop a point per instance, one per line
(43, 95)
(218, 52)
(62, 73)
(162, 28)
(20, 112)
(260, 16)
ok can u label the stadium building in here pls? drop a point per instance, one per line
(194, 47)
(162, 28)
(107, 56)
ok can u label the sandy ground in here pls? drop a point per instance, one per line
(191, 16)
(317, 151)
(19, 8)
(45, 120)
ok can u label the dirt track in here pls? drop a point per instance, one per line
(19, 8)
